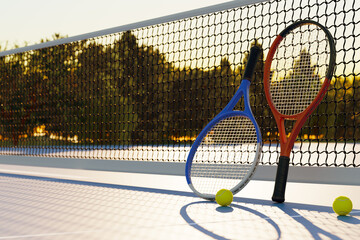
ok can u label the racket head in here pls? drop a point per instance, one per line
(298, 69)
(224, 155)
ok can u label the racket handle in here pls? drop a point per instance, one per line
(281, 178)
(251, 64)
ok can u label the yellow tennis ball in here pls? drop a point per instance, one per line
(224, 197)
(342, 205)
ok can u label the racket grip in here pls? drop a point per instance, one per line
(251, 64)
(281, 179)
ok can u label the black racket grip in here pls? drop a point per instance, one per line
(281, 179)
(251, 64)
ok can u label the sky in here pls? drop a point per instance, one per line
(28, 21)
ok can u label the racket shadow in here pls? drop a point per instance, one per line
(223, 210)
(313, 229)
(291, 210)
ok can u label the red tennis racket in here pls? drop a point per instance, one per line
(297, 74)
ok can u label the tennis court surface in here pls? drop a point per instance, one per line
(95, 129)
(55, 203)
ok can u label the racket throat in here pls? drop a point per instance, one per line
(244, 86)
(287, 139)
(282, 137)
(286, 147)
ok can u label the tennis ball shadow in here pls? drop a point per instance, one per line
(348, 219)
(224, 209)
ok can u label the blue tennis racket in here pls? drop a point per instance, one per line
(227, 150)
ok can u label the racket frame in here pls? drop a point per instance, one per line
(287, 142)
(227, 112)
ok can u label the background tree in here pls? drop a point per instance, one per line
(17, 98)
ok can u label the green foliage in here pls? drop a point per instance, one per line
(15, 88)
(340, 109)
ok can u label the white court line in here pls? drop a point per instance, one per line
(41, 174)
(50, 234)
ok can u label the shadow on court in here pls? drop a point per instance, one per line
(290, 209)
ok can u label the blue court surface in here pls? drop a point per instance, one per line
(59, 203)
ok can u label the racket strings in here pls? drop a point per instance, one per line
(225, 156)
(299, 69)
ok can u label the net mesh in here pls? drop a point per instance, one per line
(145, 94)
(299, 69)
(225, 156)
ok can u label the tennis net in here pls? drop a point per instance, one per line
(144, 91)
